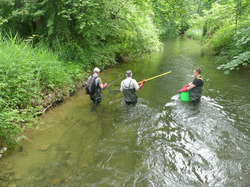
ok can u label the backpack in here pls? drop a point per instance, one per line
(91, 86)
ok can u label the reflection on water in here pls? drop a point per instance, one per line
(160, 142)
(198, 144)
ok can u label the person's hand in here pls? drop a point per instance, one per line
(105, 85)
(184, 89)
(141, 85)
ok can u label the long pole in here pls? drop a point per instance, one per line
(156, 76)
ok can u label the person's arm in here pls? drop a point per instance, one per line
(196, 82)
(121, 87)
(141, 85)
(102, 86)
(191, 87)
(184, 89)
(100, 82)
(136, 86)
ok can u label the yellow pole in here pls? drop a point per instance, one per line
(156, 76)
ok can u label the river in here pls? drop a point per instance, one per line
(160, 142)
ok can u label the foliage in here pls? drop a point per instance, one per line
(194, 33)
(225, 28)
(90, 32)
(26, 75)
(95, 32)
(171, 17)
(222, 38)
(237, 51)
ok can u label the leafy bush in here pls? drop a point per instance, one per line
(238, 51)
(222, 39)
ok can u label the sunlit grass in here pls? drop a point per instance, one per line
(26, 75)
(194, 34)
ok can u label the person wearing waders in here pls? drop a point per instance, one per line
(129, 87)
(96, 96)
(195, 87)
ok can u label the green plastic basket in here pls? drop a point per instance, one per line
(185, 96)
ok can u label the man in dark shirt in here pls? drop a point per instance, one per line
(96, 97)
(195, 87)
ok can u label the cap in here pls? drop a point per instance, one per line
(97, 69)
(128, 73)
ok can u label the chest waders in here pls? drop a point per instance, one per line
(130, 94)
(97, 96)
(195, 93)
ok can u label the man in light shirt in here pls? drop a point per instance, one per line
(129, 87)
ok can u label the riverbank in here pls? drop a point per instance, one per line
(52, 99)
(31, 81)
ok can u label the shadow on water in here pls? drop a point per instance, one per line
(160, 142)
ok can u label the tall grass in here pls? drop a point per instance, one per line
(26, 75)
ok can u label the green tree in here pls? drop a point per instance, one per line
(90, 31)
(171, 17)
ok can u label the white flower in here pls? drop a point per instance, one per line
(5, 148)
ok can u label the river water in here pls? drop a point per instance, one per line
(160, 142)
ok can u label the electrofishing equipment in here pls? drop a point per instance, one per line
(116, 91)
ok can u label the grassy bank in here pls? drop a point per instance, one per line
(195, 34)
(28, 77)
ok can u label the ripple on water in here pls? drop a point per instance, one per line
(192, 145)
(143, 146)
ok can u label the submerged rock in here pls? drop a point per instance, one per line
(70, 162)
(9, 166)
(56, 181)
(61, 148)
(44, 147)
(23, 151)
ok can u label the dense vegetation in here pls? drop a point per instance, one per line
(47, 46)
(27, 75)
(224, 26)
